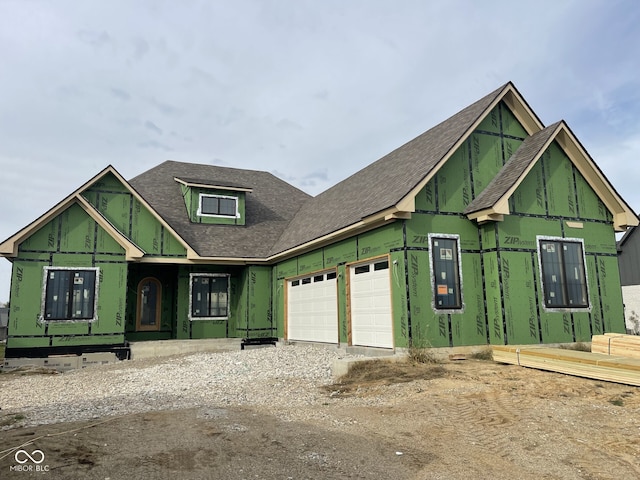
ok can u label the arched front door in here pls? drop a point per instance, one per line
(148, 312)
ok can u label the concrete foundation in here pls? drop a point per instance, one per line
(165, 348)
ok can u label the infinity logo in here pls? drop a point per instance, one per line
(21, 454)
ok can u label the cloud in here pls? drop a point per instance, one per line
(93, 38)
(167, 109)
(153, 127)
(140, 48)
(120, 94)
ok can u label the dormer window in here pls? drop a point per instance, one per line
(218, 206)
(214, 202)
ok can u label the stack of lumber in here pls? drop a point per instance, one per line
(616, 344)
(598, 366)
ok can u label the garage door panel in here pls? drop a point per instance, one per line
(312, 313)
(371, 320)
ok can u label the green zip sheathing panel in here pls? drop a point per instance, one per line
(167, 275)
(610, 294)
(70, 240)
(342, 303)
(422, 224)
(495, 317)
(254, 319)
(191, 197)
(501, 121)
(590, 205)
(340, 253)
(113, 200)
(559, 185)
(399, 307)
(380, 241)
(311, 262)
(470, 327)
(277, 308)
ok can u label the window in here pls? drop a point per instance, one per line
(446, 274)
(218, 206)
(209, 296)
(562, 267)
(381, 266)
(149, 305)
(70, 293)
(362, 269)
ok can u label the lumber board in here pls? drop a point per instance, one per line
(616, 344)
(597, 366)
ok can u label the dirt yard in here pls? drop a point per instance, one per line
(465, 419)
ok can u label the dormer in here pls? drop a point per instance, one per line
(212, 202)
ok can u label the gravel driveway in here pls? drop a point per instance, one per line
(283, 376)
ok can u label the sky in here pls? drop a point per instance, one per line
(311, 91)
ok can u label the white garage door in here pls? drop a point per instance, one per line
(312, 311)
(371, 321)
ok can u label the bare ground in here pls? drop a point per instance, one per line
(459, 420)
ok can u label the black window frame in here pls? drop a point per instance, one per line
(442, 296)
(558, 274)
(218, 211)
(63, 282)
(209, 314)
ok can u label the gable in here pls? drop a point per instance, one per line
(560, 156)
(117, 203)
(71, 231)
(555, 187)
(474, 164)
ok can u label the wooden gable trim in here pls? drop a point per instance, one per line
(212, 186)
(521, 111)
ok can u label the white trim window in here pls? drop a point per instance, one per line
(208, 296)
(218, 206)
(563, 273)
(70, 294)
(446, 273)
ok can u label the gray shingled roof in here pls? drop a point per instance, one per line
(512, 170)
(269, 208)
(382, 184)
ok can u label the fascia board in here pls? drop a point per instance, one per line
(212, 187)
